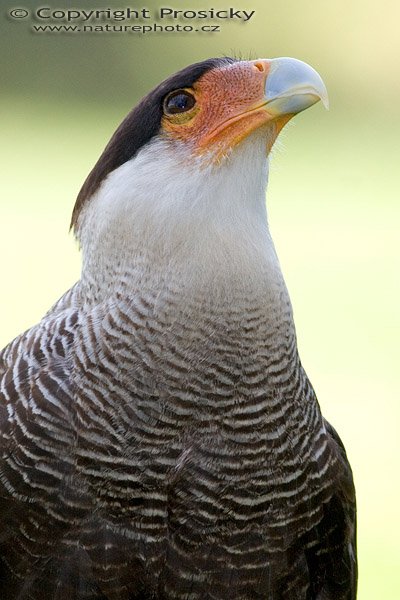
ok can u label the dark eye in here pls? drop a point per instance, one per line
(179, 101)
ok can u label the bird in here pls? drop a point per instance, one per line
(160, 438)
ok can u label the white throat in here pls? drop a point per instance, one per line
(165, 214)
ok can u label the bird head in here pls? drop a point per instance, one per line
(201, 116)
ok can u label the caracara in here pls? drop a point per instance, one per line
(159, 436)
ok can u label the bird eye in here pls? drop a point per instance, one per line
(179, 101)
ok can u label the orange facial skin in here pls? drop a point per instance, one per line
(230, 104)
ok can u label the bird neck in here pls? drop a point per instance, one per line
(164, 224)
(179, 256)
(163, 215)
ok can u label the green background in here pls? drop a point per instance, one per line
(333, 201)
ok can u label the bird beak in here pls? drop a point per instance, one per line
(292, 86)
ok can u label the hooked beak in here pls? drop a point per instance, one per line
(292, 86)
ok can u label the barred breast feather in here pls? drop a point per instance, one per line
(152, 449)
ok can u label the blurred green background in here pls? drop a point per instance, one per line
(333, 202)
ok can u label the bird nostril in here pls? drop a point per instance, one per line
(259, 66)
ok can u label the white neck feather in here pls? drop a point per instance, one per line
(173, 215)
